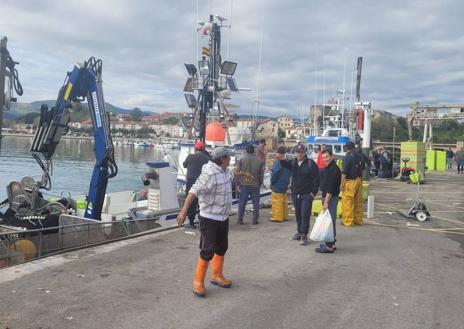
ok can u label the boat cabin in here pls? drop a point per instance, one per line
(336, 144)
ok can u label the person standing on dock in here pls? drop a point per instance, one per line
(280, 178)
(330, 188)
(304, 187)
(214, 191)
(351, 186)
(449, 158)
(250, 187)
(194, 163)
(261, 150)
(319, 161)
(459, 158)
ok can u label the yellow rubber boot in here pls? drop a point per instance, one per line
(358, 203)
(199, 280)
(217, 278)
(285, 207)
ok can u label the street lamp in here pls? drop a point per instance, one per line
(232, 84)
(191, 69)
(203, 66)
(228, 68)
(191, 101)
(188, 88)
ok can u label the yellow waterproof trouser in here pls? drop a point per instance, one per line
(352, 202)
(279, 210)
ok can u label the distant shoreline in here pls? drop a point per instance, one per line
(32, 135)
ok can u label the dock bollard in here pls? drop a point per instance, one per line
(370, 206)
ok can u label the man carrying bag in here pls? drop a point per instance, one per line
(330, 188)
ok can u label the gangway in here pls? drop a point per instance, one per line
(427, 114)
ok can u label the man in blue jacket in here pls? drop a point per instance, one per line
(280, 178)
(304, 187)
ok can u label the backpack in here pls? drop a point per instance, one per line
(359, 163)
(386, 156)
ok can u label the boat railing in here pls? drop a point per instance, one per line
(20, 246)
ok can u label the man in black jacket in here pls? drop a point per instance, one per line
(304, 187)
(330, 188)
(194, 163)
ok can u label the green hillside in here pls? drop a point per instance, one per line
(23, 112)
(448, 131)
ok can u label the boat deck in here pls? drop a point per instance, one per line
(385, 274)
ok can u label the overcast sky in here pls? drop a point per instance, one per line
(412, 50)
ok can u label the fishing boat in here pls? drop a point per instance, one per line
(340, 126)
(34, 225)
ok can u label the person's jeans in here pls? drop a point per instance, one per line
(384, 170)
(333, 203)
(193, 209)
(245, 192)
(461, 167)
(449, 163)
(303, 204)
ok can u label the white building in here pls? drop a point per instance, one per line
(285, 122)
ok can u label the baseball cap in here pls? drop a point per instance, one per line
(350, 145)
(220, 152)
(199, 145)
(300, 148)
(281, 150)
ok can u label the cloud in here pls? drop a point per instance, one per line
(412, 50)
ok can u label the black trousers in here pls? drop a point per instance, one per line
(193, 209)
(214, 237)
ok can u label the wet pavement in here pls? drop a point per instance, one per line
(385, 274)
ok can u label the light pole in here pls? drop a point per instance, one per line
(210, 79)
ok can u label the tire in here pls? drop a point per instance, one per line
(421, 216)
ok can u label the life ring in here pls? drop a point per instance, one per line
(24, 248)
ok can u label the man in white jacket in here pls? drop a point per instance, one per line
(214, 192)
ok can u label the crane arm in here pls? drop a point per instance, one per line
(83, 82)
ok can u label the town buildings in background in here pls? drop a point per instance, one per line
(169, 124)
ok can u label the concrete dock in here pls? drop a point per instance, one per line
(389, 273)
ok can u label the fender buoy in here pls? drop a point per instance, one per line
(25, 247)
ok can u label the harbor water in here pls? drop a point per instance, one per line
(73, 164)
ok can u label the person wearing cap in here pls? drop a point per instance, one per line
(304, 187)
(213, 188)
(250, 187)
(280, 178)
(261, 150)
(351, 186)
(194, 163)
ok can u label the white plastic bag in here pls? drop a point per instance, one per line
(323, 228)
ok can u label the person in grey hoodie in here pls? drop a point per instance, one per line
(250, 187)
(459, 158)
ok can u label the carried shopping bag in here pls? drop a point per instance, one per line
(323, 228)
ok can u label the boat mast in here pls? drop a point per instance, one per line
(342, 124)
(228, 30)
(315, 103)
(197, 37)
(323, 93)
(209, 80)
(257, 100)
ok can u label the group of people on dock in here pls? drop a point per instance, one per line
(212, 189)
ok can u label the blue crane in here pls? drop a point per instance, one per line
(83, 82)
